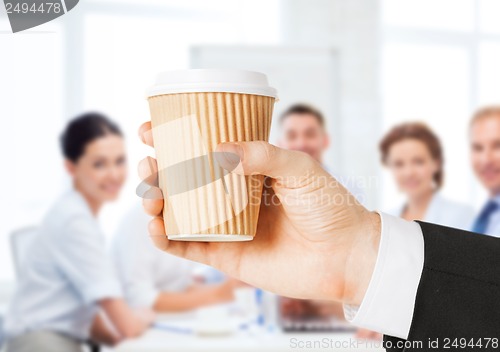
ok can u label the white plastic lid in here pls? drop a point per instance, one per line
(211, 80)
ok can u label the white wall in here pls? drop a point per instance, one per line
(352, 28)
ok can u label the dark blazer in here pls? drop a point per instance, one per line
(458, 297)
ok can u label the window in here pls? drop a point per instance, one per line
(488, 15)
(32, 111)
(489, 72)
(452, 15)
(440, 62)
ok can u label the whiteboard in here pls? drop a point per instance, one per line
(300, 74)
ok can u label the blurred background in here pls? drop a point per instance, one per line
(367, 64)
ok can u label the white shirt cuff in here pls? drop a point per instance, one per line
(390, 298)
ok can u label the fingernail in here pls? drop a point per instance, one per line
(160, 241)
(229, 155)
(153, 193)
(141, 136)
(147, 191)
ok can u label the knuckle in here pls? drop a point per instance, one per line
(267, 152)
(305, 162)
(308, 162)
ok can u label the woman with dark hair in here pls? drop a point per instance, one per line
(414, 155)
(66, 279)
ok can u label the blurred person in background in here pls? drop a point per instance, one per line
(67, 291)
(303, 128)
(413, 154)
(485, 159)
(158, 280)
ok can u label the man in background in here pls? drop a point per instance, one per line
(303, 128)
(485, 158)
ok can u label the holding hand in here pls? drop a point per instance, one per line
(313, 240)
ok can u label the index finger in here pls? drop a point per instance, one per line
(146, 133)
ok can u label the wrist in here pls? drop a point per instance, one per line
(361, 260)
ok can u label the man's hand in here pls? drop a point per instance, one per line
(313, 240)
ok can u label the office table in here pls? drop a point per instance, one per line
(254, 340)
(156, 341)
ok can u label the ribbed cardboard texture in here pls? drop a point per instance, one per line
(203, 202)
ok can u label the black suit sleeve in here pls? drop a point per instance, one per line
(457, 306)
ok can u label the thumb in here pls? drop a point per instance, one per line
(248, 158)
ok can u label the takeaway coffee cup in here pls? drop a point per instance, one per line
(192, 111)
